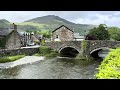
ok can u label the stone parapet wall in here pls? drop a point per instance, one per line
(91, 45)
(26, 51)
(59, 45)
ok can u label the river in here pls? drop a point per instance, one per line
(52, 68)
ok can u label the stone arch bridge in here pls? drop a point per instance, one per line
(92, 45)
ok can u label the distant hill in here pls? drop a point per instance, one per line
(52, 22)
(4, 23)
(47, 23)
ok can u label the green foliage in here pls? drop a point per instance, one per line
(43, 42)
(10, 58)
(114, 33)
(52, 54)
(81, 56)
(37, 42)
(46, 51)
(100, 32)
(4, 23)
(84, 44)
(47, 23)
(110, 66)
(2, 42)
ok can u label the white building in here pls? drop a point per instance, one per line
(77, 37)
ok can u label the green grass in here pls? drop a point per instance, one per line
(46, 51)
(10, 58)
(32, 24)
(110, 66)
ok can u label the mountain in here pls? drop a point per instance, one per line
(4, 23)
(49, 19)
(51, 22)
(47, 23)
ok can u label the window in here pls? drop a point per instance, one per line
(56, 36)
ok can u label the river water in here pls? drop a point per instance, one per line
(52, 68)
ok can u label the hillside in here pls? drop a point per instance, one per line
(52, 22)
(47, 23)
(4, 23)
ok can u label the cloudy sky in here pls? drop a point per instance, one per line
(110, 18)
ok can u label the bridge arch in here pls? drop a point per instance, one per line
(95, 53)
(68, 51)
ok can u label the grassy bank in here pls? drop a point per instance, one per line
(110, 66)
(10, 58)
(46, 51)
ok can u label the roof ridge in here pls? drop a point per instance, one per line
(62, 26)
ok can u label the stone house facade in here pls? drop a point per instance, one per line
(10, 38)
(30, 39)
(62, 33)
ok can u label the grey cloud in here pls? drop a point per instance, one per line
(20, 16)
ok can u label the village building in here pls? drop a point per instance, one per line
(62, 33)
(30, 39)
(10, 38)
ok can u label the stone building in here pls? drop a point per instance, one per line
(30, 39)
(62, 33)
(10, 38)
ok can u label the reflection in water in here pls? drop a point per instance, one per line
(55, 68)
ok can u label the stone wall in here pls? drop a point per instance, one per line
(60, 45)
(94, 44)
(13, 40)
(26, 51)
(91, 45)
(64, 34)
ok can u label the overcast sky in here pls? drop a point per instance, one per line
(110, 18)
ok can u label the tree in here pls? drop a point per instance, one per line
(98, 33)
(114, 33)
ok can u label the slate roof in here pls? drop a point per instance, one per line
(60, 27)
(76, 35)
(4, 31)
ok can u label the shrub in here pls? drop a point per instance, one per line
(110, 66)
(52, 54)
(43, 42)
(44, 50)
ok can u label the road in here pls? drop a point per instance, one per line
(36, 46)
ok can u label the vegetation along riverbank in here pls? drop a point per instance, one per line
(10, 58)
(46, 51)
(110, 66)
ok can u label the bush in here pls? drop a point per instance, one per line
(110, 66)
(52, 54)
(44, 50)
(10, 58)
(43, 42)
(37, 42)
(80, 56)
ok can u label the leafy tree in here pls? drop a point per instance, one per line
(114, 33)
(98, 33)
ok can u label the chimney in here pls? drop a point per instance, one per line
(13, 27)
